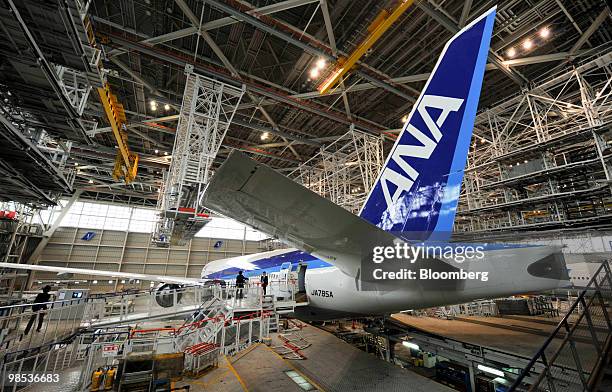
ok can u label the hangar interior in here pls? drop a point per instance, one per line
(116, 115)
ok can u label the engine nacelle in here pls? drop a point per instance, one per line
(165, 294)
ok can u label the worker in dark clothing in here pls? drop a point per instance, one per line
(264, 281)
(240, 281)
(39, 304)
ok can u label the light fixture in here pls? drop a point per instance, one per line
(405, 119)
(314, 73)
(544, 32)
(411, 345)
(137, 281)
(511, 52)
(165, 152)
(76, 164)
(110, 281)
(90, 181)
(153, 107)
(166, 107)
(76, 282)
(57, 282)
(123, 281)
(527, 44)
(39, 282)
(156, 151)
(487, 369)
(321, 63)
(265, 135)
(153, 103)
(95, 282)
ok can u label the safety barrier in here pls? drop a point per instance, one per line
(586, 332)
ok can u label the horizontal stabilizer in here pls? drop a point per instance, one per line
(258, 196)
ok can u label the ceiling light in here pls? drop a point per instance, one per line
(76, 164)
(411, 345)
(123, 281)
(527, 44)
(314, 73)
(165, 152)
(511, 52)
(487, 369)
(110, 281)
(166, 107)
(156, 151)
(321, 63)
(265, 135)
(153, 107)
(57, 282)
(153, 103)
(90, 181)
(405, 119)
(137, 281)
(77, 282)
(544, 32)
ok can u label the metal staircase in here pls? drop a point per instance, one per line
(565, 367)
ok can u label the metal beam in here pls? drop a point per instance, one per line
(141, 80)
(214, 24)
(450, 25)
(465, 13)
(592, 28)
(332, 44)
(213, 45)
(424, 76)
(274, 95)
(300, 44)
(33, 259)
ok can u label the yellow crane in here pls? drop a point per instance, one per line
(377, 28)
(126, 162)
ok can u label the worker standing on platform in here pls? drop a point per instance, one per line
(240, 281)
(264, 282)
(39, 304)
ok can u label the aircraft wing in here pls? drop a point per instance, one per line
(110, 274)
(258, 196)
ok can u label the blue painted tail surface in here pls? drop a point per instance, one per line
(417, 191)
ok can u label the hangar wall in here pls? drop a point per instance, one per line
(133, 252)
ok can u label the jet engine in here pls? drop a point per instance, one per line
(166, 293)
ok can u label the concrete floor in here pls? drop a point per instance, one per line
(338, 366)
(331, 365)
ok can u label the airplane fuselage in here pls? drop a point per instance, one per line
(333, 294)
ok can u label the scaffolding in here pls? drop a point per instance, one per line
(344, 170)
(206, 113)
(542, 160)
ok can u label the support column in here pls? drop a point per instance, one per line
(47, 236)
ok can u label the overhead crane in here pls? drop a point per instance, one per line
(126, 162)
(377, 28)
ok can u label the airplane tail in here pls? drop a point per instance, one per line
(416, 193)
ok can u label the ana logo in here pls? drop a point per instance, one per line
(404, 181)
(322, 293)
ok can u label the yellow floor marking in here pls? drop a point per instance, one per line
(229, 365)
